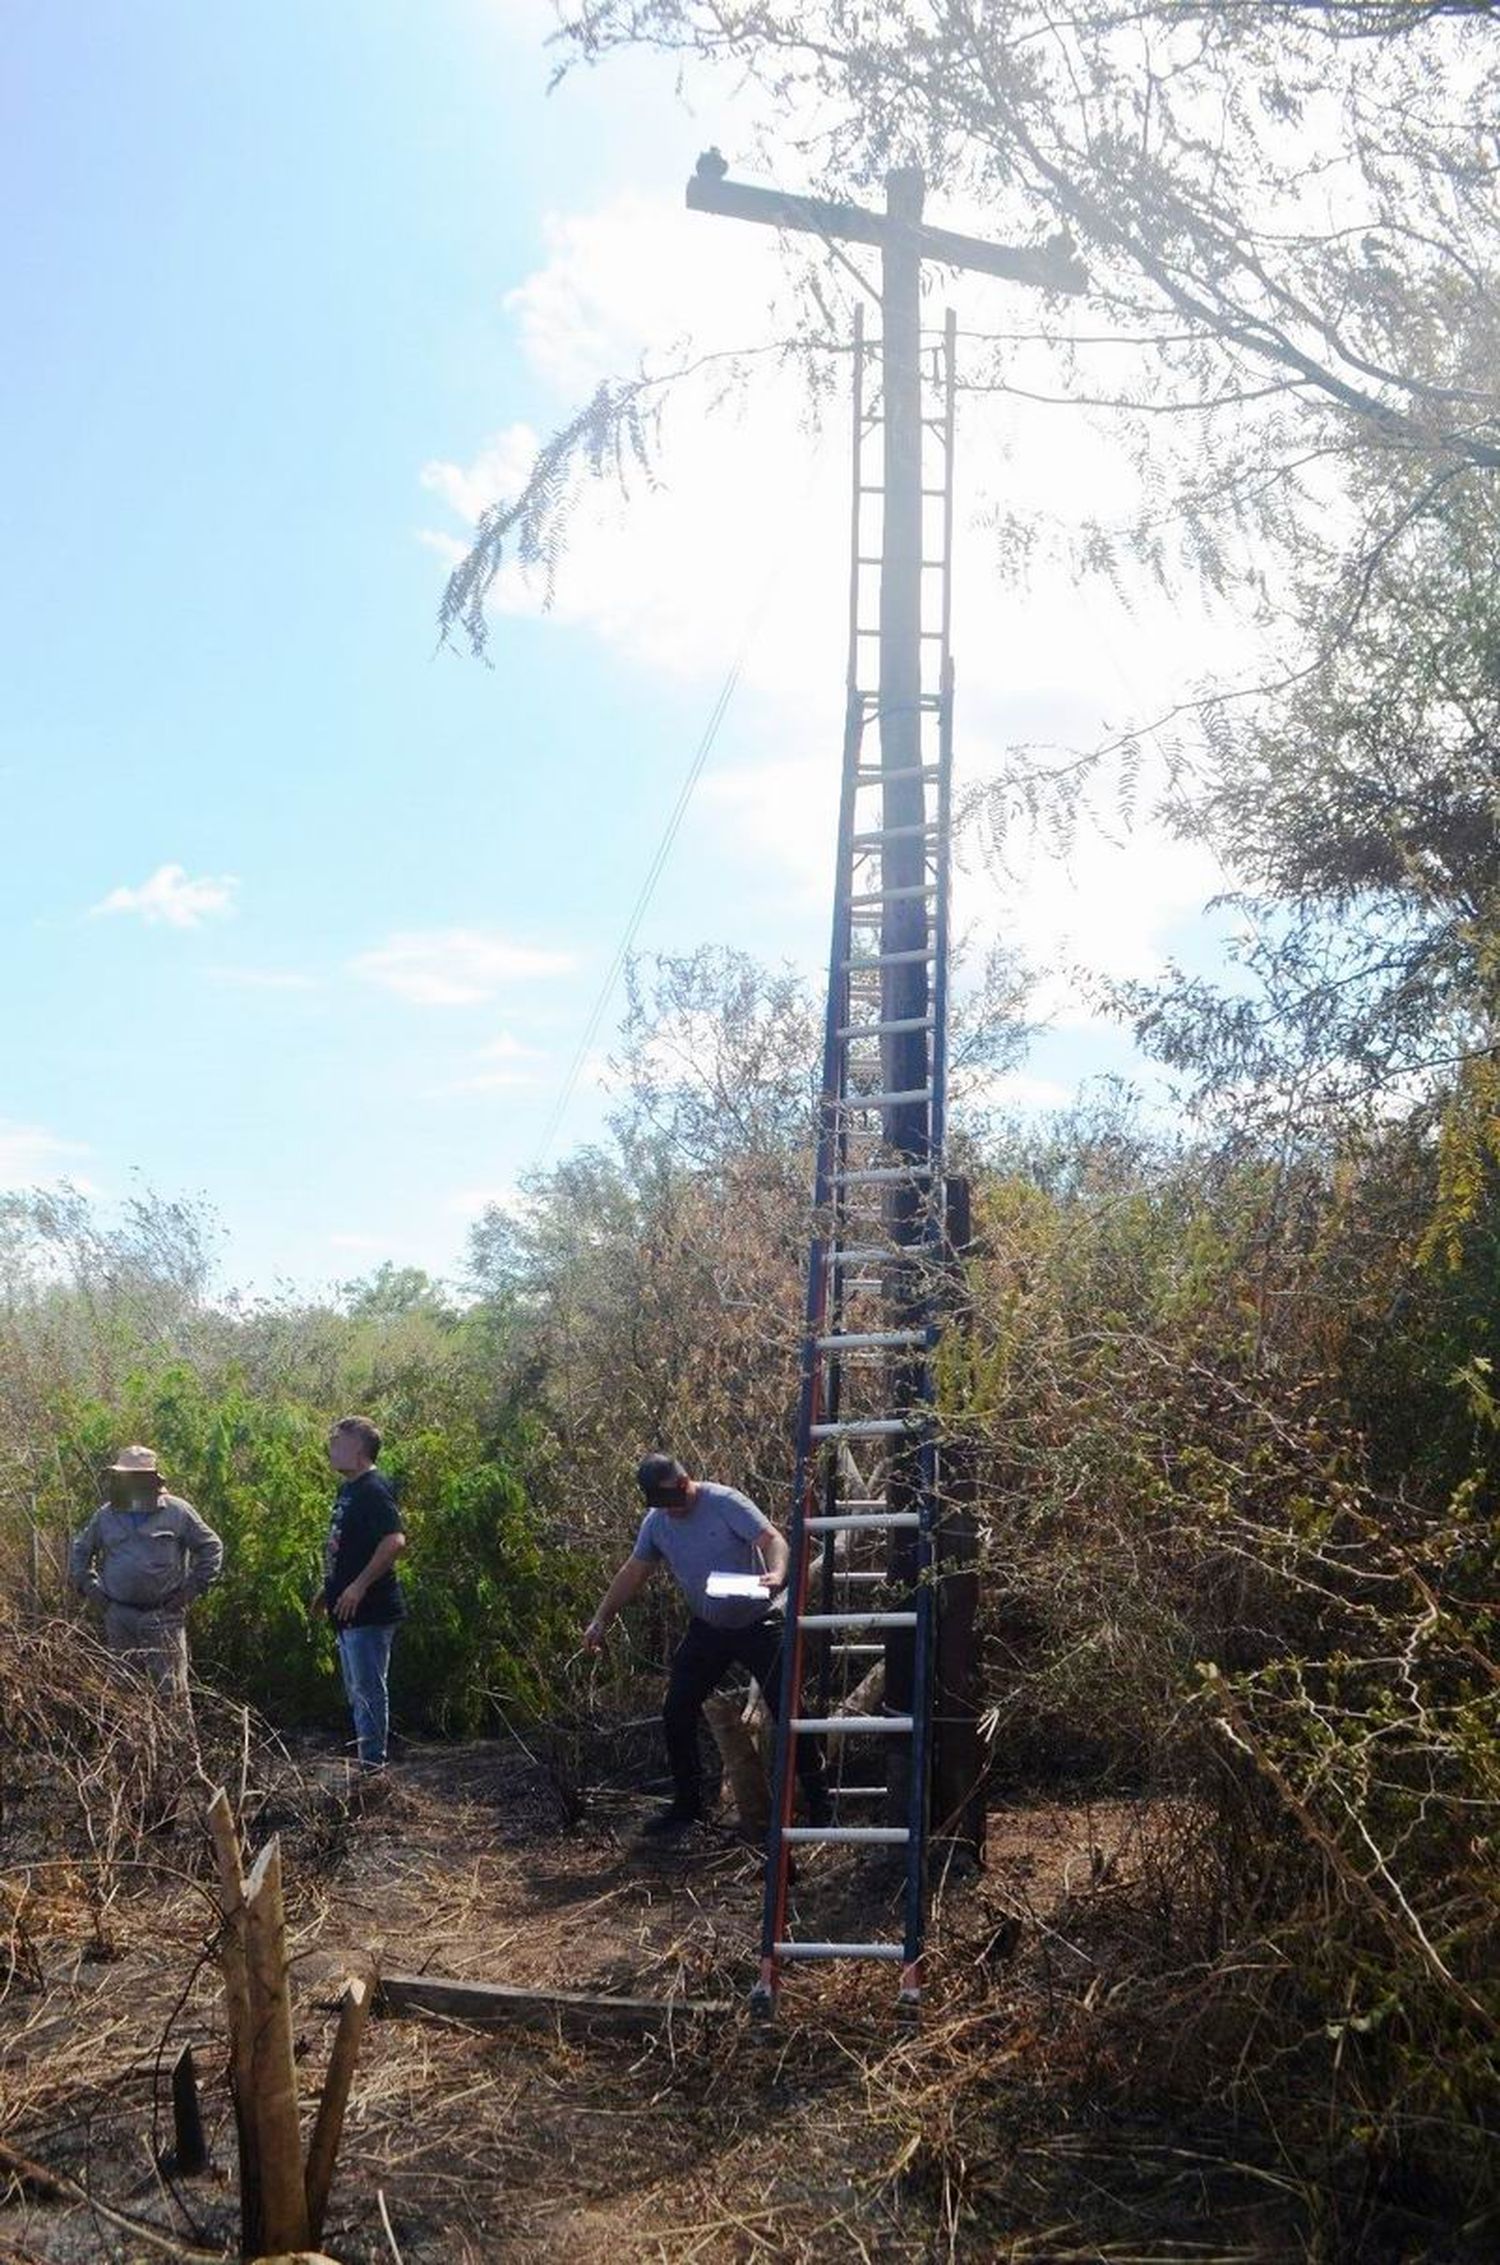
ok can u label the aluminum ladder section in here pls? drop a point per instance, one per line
(866, 1490)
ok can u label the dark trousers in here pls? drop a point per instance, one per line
(699, 1665)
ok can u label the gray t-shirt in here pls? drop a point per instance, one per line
(718, 1535)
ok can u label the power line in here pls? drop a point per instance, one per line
(643, 899)
(774, 572)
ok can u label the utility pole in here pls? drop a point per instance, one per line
(912, 989)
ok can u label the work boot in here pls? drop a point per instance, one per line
(678, 1817)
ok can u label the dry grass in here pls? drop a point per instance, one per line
(1009, 2126)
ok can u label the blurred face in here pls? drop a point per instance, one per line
(346, 1452)
(678, 1503)
(134, 1487)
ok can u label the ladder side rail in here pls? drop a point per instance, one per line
(827, 1203)
(921, 1737)
(944, 843)
(856, 494)
(804, 1483)
(929, 1506)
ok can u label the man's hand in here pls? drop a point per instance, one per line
(348, 1602)
(593, 1636)
(777, 1560)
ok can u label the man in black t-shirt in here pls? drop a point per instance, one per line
(360, 1591)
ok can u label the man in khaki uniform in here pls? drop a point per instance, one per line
(144, 1555)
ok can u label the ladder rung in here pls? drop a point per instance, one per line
(886, 1029)
(874, 1175)
(906, 958)
(874, 1518)
(865, 1578)
(927, 829)
(882, 1836)
(865, 1792)
(893, 896)
(858, 1620)
(910, 1093)
(853, 1725)
(868, 1427)
(857, 1651)
(841, 1950)
(869, 1256)
(856, 1340)
(868, 777)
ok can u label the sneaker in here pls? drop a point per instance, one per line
(679, 1817)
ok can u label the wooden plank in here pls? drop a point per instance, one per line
(324, 2145)
(491, 2003)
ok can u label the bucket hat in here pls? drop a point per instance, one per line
(136, 1460)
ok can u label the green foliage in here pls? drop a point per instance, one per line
(1235, 1434)
(494, 1609)
(238, 1405)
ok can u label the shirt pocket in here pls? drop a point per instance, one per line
(161, 1554)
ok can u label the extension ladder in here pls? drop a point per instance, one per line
(861, 1595)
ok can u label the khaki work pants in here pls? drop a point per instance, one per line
(153, 1643)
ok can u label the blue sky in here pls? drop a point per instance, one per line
(299, 915)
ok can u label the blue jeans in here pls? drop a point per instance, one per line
(365, 1657)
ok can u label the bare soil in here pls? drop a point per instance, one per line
(835, 2132)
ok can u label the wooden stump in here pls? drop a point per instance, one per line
(283, 2194)
(744, 1765)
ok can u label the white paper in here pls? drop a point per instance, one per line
(735, 1585)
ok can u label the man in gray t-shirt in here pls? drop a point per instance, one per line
(696, 1527)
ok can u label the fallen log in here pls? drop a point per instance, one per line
(488, 2004)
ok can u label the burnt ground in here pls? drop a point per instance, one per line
(835, 2132)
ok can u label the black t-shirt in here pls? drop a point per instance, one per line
(364, 1512)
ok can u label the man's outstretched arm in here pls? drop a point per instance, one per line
(627, 1583)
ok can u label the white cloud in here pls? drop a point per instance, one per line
(503, 1066)
(31, 1157)
(500, 469)
(1018, 1089)
(783, 815)
(169, 899)
(454, 967)
(740, 549)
